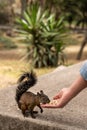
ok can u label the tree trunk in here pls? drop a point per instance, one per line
(82, 47)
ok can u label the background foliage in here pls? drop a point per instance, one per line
(45, 33)
(45, 36)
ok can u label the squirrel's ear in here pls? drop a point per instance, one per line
(41, 91)
(38, 93)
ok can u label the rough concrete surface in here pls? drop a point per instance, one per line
(72, 117)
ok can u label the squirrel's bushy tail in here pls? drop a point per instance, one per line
(26, 80)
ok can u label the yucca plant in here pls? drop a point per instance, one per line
(44, 36)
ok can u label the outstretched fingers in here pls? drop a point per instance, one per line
(52, 104)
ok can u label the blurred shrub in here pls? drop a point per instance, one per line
(44, 35)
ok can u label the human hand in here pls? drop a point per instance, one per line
(60, 100)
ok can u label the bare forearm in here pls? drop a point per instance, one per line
(66, 94)
(77, 86)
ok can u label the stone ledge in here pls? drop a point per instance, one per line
(71, 117)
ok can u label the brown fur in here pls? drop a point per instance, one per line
(27, 101)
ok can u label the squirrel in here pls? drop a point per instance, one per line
(27, 100)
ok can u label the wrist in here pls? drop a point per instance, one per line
(71, 93)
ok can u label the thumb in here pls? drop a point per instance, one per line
(59, 95)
